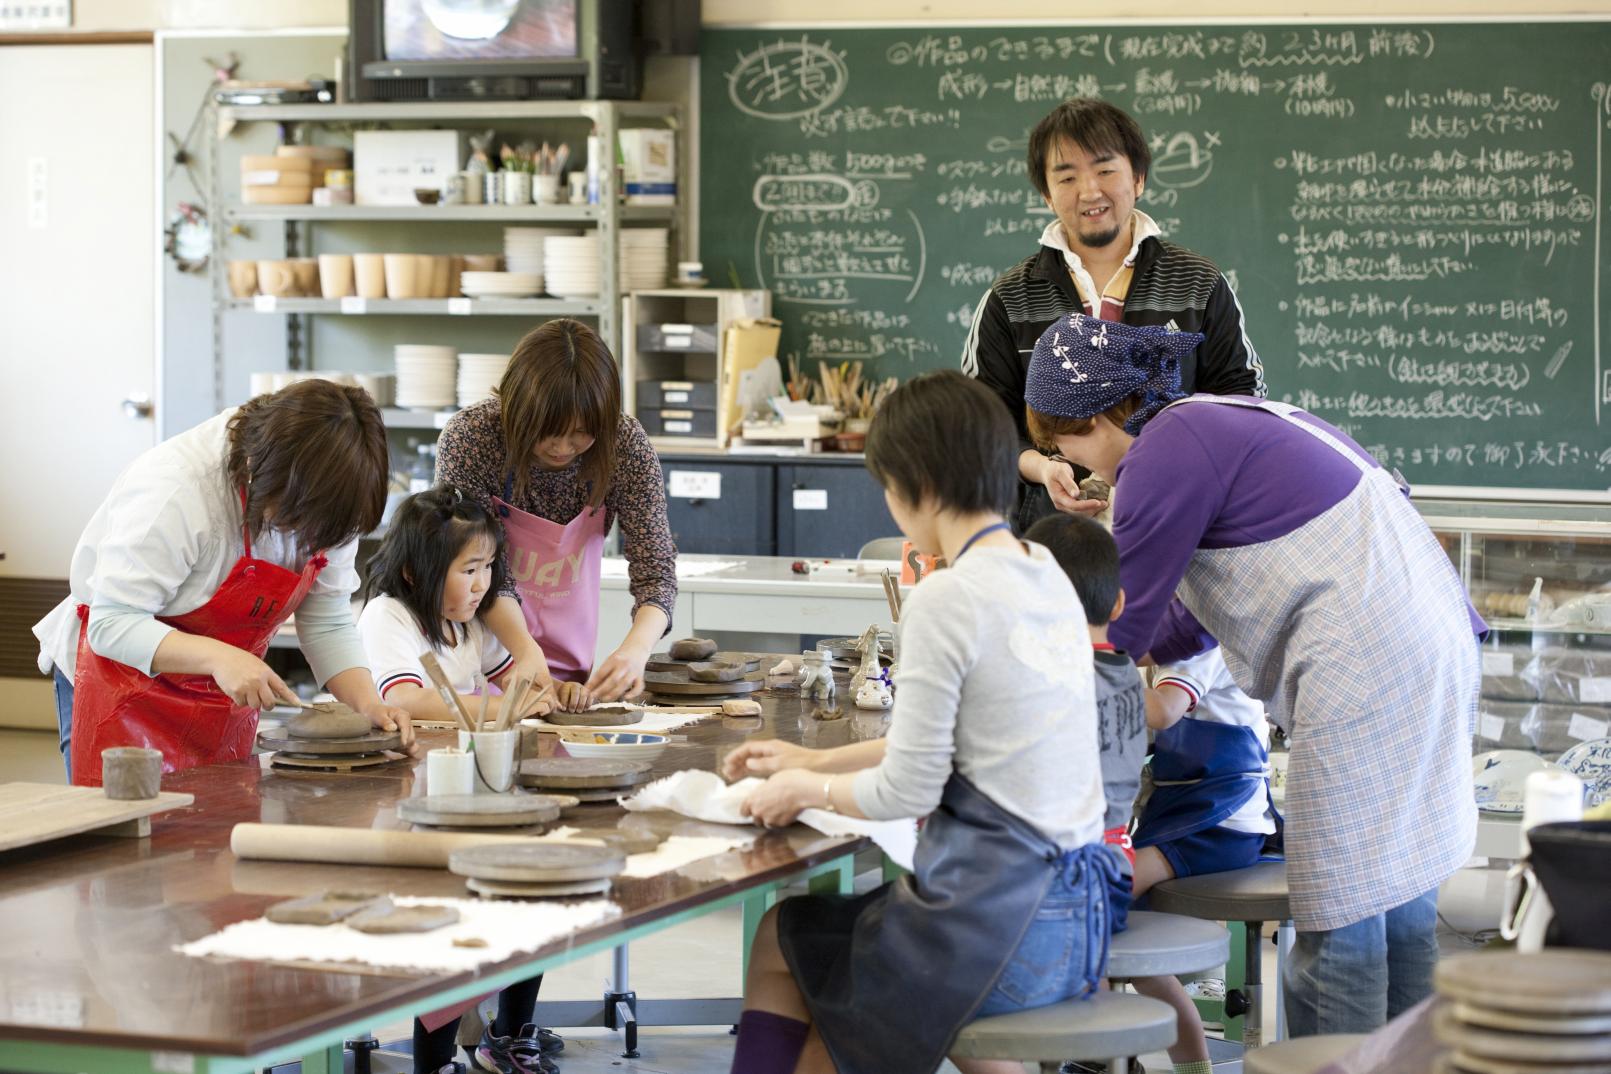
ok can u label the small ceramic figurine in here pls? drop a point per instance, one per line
(874, 694)
(816, 677)
(867, 645)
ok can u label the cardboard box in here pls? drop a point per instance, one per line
(649, 165)
(745, 346)
(389, 165)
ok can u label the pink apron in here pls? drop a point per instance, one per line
(556, 572)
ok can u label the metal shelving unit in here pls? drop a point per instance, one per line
(298, 221)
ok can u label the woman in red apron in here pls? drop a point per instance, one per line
(554, 456)
(206, 544)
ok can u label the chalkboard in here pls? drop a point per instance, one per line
(1409, 213)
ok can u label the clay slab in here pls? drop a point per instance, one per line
(325, 908)
(392, 919)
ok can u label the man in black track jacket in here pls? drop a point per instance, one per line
(1104, 257)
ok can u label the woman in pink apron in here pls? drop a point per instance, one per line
(206, 544)
(554, 457)
(1333, 604)
(552, 453)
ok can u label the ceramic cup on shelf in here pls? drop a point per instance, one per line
(335, 275)
(455, 188)
(402, 275)
(369, 271)
(516, 188)
(578, 182)
(492, 187)
(276, 278)
(474, 187)
(243, 278)
(305, 272)
(441, 276)
(482, 262)
(545, 189)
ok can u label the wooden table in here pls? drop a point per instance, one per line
(90, 980)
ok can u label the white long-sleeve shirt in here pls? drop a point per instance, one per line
(997, 681)
(163, 541)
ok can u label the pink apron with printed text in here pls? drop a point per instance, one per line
(555, 569)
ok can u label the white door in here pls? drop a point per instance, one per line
(79, 248)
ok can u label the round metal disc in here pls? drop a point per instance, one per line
(374, 742)
(571, 774)
(1555, 982)
(1520, 1047)
(483, 810)
(664, 662)
(670, 684)
(537, 862)
(510, 890)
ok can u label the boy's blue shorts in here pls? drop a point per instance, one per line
(1213, 850)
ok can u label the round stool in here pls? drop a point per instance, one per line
(1301, 1056)
(1115, 1026)
(1157, 944)
(1253, 896)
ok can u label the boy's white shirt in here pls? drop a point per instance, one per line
(1220, 700)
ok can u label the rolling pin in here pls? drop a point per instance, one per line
(354, 846)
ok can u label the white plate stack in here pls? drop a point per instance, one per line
(523, 246)
(425, 375)
(501, 284)
(643, 258)
(571, 266)
(478, 375)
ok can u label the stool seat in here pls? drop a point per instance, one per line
(1156, 944)
(1108, 1025)
(1256, 893)
(1301, 1055)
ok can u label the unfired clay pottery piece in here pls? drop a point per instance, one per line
(1094, 488)
(318, 723)
(874, 694)
(867, 645)
(628, 842)
(693, 649)
(816, 678)
(571, 774)
(741, 707)
(325, 908)
(537, 862)
(710, 672)
(392, 919)
(834, 713)
(594, 718)
(131, 773)
(373, 741)
(782, 667)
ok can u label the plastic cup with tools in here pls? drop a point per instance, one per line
(497, 755)
(131, 773)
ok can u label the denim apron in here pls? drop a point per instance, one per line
(1202, 773)
(892, 976)
(1355, 631)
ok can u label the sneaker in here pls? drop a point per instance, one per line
(547, 1041)
(509, 1055)
(1209, 988)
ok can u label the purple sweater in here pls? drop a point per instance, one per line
(1213, 476)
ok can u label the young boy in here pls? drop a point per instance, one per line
(1213, 812)
(1088, 555)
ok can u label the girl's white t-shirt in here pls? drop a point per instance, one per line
(394, 644)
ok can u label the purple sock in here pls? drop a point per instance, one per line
(768, 1043)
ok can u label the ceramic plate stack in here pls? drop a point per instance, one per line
(571, 266)
(1547, 1012)
(523, 246)
(589, 779)
(426, 375)
(330, 754)
(478, 375)
(501, 284)
(643, 258)
(537, 870)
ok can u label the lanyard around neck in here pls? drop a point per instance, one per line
(992, 528)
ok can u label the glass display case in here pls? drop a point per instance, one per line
(1540, 574)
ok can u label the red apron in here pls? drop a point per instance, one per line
(187, 717)
(556, 571)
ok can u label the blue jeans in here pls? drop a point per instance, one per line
(1065, 950)
(1358, 978)
(64, 719)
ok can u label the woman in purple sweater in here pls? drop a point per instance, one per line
(1333, 604)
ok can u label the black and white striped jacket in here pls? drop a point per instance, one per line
(1172, 286)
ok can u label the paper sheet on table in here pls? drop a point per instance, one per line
(704, 796)
(673, 854)
(653, 723)
(506, 927)
(614, 567)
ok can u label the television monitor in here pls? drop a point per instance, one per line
(493, 49)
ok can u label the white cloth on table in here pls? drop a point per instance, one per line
(507, 928)
(673, 854)
(704, 796)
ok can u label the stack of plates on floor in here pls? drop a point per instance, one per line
(426, 375)
(1510, 1013)
(571, 266)
(478, 375)
(337, 754)
(523, 246)
(537, 870)
(643, 258)
(585, 778)
(501, 284)
(480, 810)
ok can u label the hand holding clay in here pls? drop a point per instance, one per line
(391, 718)
(619, 675)
(764, 758)
(247, 680)
(573, 697)
(1058, 477)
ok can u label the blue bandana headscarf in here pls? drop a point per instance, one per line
(1083, 365)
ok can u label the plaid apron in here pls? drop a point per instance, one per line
(1353, 629)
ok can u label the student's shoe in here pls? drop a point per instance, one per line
(546, 1040)
(1082, 1066)
(509, 1055)
(1209, 988)
(452, 1068)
